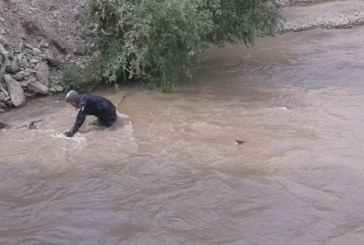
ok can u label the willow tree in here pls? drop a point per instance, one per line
(157, 41)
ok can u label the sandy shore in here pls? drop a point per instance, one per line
(306, 15)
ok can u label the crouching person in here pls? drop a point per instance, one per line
(89, 104)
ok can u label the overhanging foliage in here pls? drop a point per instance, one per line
(158, 41)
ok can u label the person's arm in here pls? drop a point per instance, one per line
(81, 116)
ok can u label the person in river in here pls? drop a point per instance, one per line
(89, 104)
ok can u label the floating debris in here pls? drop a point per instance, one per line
(239, 142)
(30, 125)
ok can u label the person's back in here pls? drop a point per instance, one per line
(98, 106)
(89, 104)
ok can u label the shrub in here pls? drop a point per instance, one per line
(83, 78)
(159, 41)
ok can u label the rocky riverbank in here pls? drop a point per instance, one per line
(39, 37)
(305, 15)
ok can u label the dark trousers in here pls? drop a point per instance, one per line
(108, 121)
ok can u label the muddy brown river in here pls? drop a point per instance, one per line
(169, 171)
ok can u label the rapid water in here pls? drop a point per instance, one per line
(169, 171)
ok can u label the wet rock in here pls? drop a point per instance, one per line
(38, 88)
(42, 73)
(30, 125)
(16, 91)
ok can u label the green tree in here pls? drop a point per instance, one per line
(159, 41)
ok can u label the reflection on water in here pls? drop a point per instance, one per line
(169, 171)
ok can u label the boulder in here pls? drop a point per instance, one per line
(60, 45)
(15, 90)
(13, 68)
(2, 67)
(32, 27)
(4, 41)
(4, 62)
(3, 96)
(19, 76)
(3, 51)
(53, 59)
(38, 88)
(42, 73)
(56, 88)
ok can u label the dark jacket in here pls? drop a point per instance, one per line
(97, 106)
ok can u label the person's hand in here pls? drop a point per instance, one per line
(69, 134)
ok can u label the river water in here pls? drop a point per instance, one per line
(169, 171)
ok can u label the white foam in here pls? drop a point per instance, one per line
(76, 138)
(119, 114)
(281, 108)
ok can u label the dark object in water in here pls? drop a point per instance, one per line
(121, 100)
(30, 125)
(2, 125)
(239, 142)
